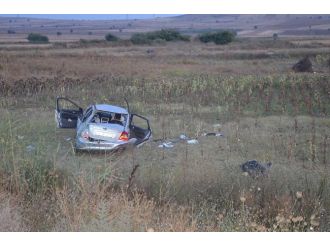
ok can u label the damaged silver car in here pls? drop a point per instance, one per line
(102, 126)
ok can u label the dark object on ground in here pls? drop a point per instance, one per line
(304, 65)
(254, 168)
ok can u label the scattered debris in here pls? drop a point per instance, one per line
(192, 141)
(218, 134)
(20, 137)
(166, 145)
(254, 168)
(304, 65)
(30, 148)
(68, 139)
(183, 138)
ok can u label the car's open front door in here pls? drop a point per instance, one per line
(140, 128)
(67, 113)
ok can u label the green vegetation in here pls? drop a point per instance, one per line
(219, 38)
(110, 37)
(164, 34)
(37, 38)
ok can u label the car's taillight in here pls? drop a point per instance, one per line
(123, 136)
(85, 134)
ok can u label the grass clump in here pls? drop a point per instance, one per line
(37, 38)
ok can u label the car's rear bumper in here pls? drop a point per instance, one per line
(87, 145)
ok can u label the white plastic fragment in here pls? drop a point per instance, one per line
(183, 137)
(192, 141)
(30, 148)
(166, 145)
(20, 137)
(68, 139)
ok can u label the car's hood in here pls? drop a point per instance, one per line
(105, 131)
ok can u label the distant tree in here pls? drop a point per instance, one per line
(90, 33)
(11, 31)
(110, 37)
(37, 38)
(255, 27)
(275, 36)
(58, 33)
(120, 30)
(71, 30)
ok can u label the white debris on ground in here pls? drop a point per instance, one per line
(30, 148)
(20, 137)
(166, 145)
(68, 139)
(217, 134)
(192, 141)
(185, 139)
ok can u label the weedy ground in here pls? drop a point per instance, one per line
(245, 90)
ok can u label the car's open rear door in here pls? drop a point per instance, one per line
(140, 128)
(67, 113)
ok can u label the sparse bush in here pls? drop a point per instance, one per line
(219, 38)
(110, 37)
(58, 33)
(11, 31)
(37, 38)
(275, 36)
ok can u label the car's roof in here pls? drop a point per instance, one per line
(110, 108)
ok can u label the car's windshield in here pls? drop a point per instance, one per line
(109, 117)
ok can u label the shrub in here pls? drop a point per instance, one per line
(37, 38)
(140, 38)
(275, 36)
(164, 34)
(58, 33)
(11, 31)
(111, 37)
(223, 38)
(219, 38)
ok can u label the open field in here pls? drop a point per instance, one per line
(245, 89)
(245, 26)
